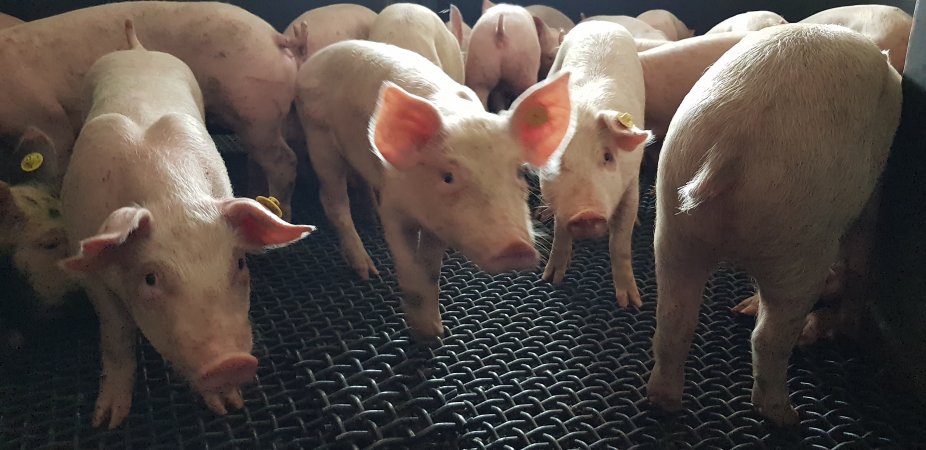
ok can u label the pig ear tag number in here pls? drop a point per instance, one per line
(32, 162)
(270, 203)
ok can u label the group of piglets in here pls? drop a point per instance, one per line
(439, 123)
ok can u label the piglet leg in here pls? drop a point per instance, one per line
(418, 255)
(621, 238)
(332, 180)
(560, 254)
(117, 341)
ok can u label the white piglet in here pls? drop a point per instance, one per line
(504, 53)
(768, 165)
(449, 173)
(594, 189)
(459, 28)
(748, 21)
(157, 239)
(416, 28)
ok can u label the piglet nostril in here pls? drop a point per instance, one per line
(518, 255)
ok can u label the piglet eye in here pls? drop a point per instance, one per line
(448, 177)
(240, 263)
(151, 279)
(608, 157)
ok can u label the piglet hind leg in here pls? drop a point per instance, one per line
(787, 296)
(680, 275)
(418, 255)
(332, 172)
(267, 149)
(621, 238)
(117, 341)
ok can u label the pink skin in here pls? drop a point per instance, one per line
(888, 26)
(504, 48)
(671, 70)
(638, 28)
(667, 23)
(7, 21)
(329, 24)
(593, 189)
(157, 239)
(447, 171)
(417, 28)
(713, 186)
(244, 66)
(748, 21)
(552, 17)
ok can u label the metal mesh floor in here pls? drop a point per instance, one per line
(526, 365)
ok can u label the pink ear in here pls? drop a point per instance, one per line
(96, 251)
(456, 23)
(626, 138)
(486, 4)
(542, 119)
(402, 125)
(259, 228)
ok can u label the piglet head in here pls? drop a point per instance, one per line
(180, 271)
(585, 186)
(462, 175)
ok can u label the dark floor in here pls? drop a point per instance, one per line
(526, 365)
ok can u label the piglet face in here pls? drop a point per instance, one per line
(181, 273)
(587, 183)
(462, 176)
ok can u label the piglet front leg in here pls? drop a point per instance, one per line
(117, 341)
(418, 255)
(621, 238)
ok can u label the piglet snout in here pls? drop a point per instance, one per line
(587, 225)
(228, 372)
(518, 255)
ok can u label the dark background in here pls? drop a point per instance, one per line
(699, 15)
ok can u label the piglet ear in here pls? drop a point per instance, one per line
(99, 250)
(456, 23)
(402, 125)
(542, 119)
(625, 135)
(257, 227)
(486, 4)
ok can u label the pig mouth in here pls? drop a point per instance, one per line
(226, 373)
(587, 225)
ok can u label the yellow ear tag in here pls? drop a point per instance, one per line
(537, 117)
(625, 119)
(270, 203)
(32, 162)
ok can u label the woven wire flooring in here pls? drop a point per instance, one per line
(526, 365)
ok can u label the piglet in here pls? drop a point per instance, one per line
(668, 23)
(459, 29)
(449, 173)
(157, 239)
(7, 21)
(416, 28)
(32, 240)
(319, 27)
(637, 28)
(671, 70)
(593, 189)
(768, 165)
(888, 26)
(748, 21)
(504, 52)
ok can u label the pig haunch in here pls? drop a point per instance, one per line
(768, 165)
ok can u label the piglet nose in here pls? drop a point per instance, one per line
(229, 371)
(587, 224)
(517, 255)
